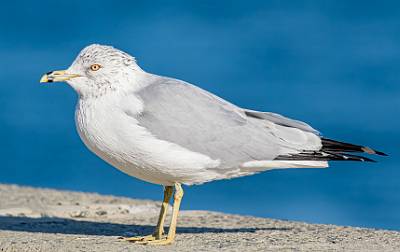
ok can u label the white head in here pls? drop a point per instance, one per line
(98, 69)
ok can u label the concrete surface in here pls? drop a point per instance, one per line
(33, 219)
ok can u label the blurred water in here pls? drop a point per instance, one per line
(333, 64)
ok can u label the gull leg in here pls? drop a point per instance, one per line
(158, 233)
(168, 190)
(172, 228)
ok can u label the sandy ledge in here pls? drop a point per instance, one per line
(34, 219)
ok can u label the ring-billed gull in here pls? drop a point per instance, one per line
(169, 132)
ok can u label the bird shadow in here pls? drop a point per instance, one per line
(82, 227)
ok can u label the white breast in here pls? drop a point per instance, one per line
(111, 131)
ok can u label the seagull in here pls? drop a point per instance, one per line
(169, 132)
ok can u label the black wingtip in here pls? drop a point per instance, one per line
(372, 151)
(342, 147)
(349, 157)
(324, 156)
(381, 153)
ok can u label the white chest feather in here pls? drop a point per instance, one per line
(111, 131)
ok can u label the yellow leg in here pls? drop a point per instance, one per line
(168, 190)
(158, 233)
(172, 228)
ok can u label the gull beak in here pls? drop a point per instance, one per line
(57, 76)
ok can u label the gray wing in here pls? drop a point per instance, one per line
(281, 120)
(195, 119)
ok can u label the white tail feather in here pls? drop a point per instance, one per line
(282, 164)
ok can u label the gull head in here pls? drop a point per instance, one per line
(97, 70)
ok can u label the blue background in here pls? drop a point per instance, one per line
(334, 64)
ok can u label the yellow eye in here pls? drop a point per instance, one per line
(95, 67)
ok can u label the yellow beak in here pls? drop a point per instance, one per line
(57, 76)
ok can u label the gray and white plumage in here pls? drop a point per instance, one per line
(165, 131)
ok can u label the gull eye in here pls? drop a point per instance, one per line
(95, 67)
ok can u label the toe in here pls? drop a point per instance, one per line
(139, 238)
(164, 241)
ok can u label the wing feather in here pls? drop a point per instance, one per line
(195, 119)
